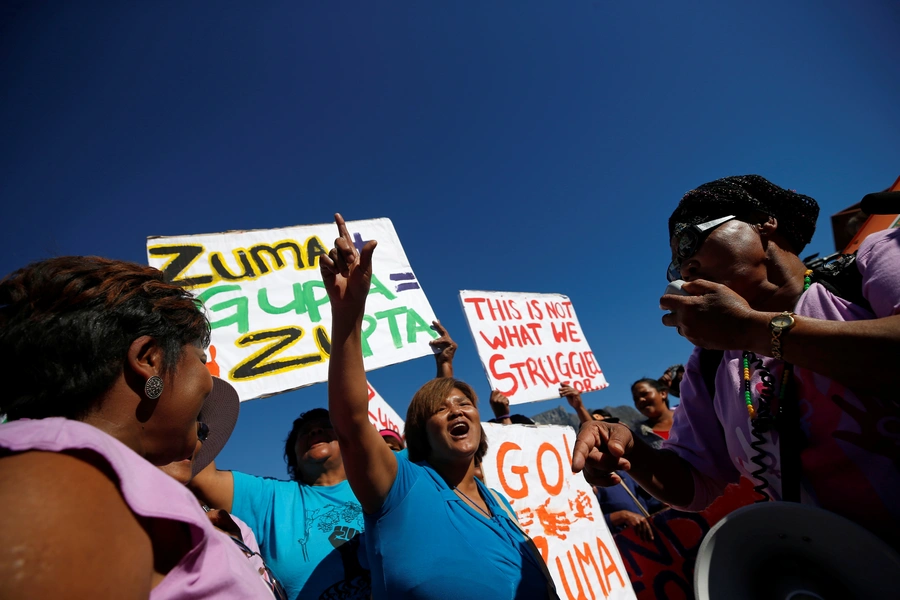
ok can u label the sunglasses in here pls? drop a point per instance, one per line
(686, 243)
(202, 431)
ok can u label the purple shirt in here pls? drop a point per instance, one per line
(214, 567)
(851, 452)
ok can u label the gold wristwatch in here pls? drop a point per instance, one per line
(779, 325)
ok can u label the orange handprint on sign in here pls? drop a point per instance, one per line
(553, 523)
(581, 505)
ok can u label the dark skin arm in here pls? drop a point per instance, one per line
(445, 349)
(215, 488)
(574, 398)
(641, 524)
(370, 464)
(500, 407)
(68, 533)
(603, 448)
(859, 354)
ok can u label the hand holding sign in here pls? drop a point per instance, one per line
(500, 405)
(600, 451)
(347, 275)
(572, 395)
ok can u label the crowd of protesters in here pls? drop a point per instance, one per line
(110, 487)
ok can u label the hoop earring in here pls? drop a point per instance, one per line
(154, 387)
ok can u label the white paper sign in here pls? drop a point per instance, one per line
(532, 467)
(268, 307)
(529, 344)
(381, 415)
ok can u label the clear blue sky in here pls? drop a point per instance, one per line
(523, 146)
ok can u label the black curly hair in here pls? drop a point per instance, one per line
(744, 195)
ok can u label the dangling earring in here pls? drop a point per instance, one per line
(154, 387)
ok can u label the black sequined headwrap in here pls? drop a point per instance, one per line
(744, 194)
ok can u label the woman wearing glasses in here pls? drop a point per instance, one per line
(104, 374)
(796, 387)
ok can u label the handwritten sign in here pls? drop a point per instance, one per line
(529, 344)
(664, 567)
(532, 467)
(381, 415)
(268, 308)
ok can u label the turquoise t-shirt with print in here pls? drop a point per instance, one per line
(308, 535)
(427, 543)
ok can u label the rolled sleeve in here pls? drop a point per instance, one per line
(697, 437)
(879, 263)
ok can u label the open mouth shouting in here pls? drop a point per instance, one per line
(459, 429)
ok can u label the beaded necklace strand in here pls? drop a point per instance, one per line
(788, 368)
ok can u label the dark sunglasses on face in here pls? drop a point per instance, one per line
(202, 431)
(687, 242)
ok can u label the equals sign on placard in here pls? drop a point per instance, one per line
(409, 278)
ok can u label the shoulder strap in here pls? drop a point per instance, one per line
(842, 278)
(535, 553)
(709, 366)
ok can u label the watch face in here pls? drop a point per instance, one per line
(782, 321)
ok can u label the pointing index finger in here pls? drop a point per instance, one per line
(343, 232)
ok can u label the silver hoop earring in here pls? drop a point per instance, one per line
(154, 387)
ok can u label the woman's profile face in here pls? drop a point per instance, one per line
(649, 401)
(733, 255)
(173, 422)
(454, 430)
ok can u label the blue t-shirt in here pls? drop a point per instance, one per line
(614, 498)
(428, 543)
(308, 535)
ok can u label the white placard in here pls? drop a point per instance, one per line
(268, 308)
(529, 344)
(532, 467)
(381, 415)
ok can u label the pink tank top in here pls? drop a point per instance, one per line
(213, 568)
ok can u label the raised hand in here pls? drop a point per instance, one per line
(600, 451)
(444, 350)
(499, 404)
(572, 395)
(712, 317)
(347, 275)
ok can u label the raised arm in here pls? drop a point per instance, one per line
(215, 488)
(858, 354)
(444, 350)
(369, 463)
(500, 407)
(574, 398)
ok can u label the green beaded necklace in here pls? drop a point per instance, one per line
(788, 368)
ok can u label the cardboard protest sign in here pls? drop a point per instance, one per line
(529, 344)
(532, 467)
(381, 415)
(268, 308)
(664, 567)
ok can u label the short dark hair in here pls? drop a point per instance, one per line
(66, 325)
(290, 457)
(602, 412)
(423, 405)
(654, 383)
(746, 195)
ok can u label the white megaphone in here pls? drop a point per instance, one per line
(787, 551)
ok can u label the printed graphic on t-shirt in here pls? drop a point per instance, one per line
(342, 524)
